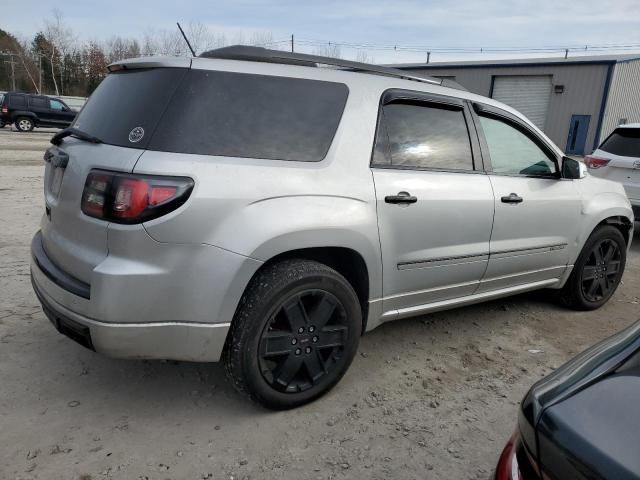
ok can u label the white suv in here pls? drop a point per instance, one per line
(618, 159)
(249, 206)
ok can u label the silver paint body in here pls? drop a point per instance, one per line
(169, 288)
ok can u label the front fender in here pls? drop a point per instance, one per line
(598, 208)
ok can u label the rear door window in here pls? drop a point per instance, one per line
(253, 116)
(423, 136)
(624, 142)
(125, 108)
(38, 102)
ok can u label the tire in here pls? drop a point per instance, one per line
(24, 124)
(294, 334)
(592, 283)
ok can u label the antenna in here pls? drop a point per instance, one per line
(186, 39)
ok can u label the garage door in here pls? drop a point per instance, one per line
(529, 94)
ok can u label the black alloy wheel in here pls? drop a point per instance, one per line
(597, 271)
(294, 335)
(600, 271)
(303, 341)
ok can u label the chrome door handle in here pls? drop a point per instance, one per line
(512, 198)
(401, 197)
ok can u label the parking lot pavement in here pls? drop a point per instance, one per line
(430, 397)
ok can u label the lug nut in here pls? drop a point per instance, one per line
(301, 329)
(314, 339)
(298, 351)
(294, 341)
(312, 329)
(307, 350)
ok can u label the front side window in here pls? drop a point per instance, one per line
(514, 153)
(56, 105)
(423, 136)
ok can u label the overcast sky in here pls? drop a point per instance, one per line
(429, 24)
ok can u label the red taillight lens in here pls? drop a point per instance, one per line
(595, 162)
(507, 468)
(129, 198)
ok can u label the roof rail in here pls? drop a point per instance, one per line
(260, 54)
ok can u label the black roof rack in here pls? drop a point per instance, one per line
(260, 54)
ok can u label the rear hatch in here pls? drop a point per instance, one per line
(622, 149)
(123, 113)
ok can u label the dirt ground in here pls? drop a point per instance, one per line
(433, 397)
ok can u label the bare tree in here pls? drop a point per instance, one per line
(363, 57)
(27, 62)
(262, 39)
(118, 48)
(330, 50)
(60, 38)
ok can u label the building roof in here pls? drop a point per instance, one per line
(583, 59)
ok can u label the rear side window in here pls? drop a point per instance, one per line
(624, 142)
(37, 102)
(125, 109)
(17, 101)
(251, 116)
(423, 136)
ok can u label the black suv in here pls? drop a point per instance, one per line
(27, 111)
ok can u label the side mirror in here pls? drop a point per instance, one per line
(573, 169)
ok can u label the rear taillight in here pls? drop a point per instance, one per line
(595, 162)
(5, 109)
(130, 198)
(507, 468)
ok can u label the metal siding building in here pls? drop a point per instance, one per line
(576, 101)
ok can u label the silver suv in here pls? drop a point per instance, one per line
(248, 206)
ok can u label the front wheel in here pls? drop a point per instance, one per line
(598, 270)
(24, 124)
(294, 335)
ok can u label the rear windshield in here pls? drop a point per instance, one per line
(624, 142)
(216, 113)
(126, 102)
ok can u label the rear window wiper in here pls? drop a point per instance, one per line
(74, 132)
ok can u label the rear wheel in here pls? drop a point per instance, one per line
(294, 335)
(598, 271)
(24, 124)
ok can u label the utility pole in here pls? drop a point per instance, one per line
(12, 62)
(292, 43)
(428, 56)
(566, 52)
(40, 73)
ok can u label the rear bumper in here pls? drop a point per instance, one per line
(130, 310)
(163, 340)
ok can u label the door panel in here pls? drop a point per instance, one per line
(436, 248)
(578, 129)
(536, 212)
(530, 240)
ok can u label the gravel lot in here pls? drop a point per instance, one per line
(430, 397)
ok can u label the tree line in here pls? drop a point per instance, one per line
(57, 62)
